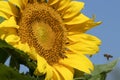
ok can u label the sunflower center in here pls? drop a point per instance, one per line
(41, 27)
(44, 34)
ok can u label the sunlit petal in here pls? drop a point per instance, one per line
(79, 62)
(8, 8)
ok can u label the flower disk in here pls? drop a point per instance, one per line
(42, 28)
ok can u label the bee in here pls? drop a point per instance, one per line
(108, 56)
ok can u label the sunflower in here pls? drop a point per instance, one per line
(51, 32)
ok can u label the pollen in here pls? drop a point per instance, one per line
(42, 28)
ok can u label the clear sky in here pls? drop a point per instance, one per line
(108, 12)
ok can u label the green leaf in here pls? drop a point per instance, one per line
(97, 77)
(78, 73)
(100, 72)
(101, 76)
(7, 73)
(104, 68)
(3, 44)
(14, 63)
(3, 55)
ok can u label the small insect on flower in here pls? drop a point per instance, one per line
(108, 56)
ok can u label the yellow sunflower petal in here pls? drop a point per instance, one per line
(84, 44)
(4, 32)
(78, 19)
(4, 15)
(84, 48)
(24, 2)
(49, 73)
(11, 22)
(56, 75)
(65, 72)
(80, 62)
(12, 38)
(83, 27)
(73, 9)
(7, 31)
(41, 65)
(18, 3)
(62, 5)
(52, 2)
(32, 53)
(83, 37)
(2, 36)
(24, 47)
(8, 8)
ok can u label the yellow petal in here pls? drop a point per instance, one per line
(62, 5)
(79, 62)
(24, 47)
(84, 44)
(78, 19)
(4, 15)
(11, 22)
(84, 36)
(4, 32)
(24, 2)
(12, 38)
(52, 2)
(41, 65)
(56, 75)
(2, 36)
(32, 53)
(18, 3)
(84, 48)
(49, 73)
(65, 72)
(83, 27)
(8, 8)
(73, 8)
